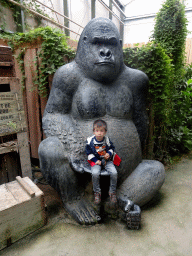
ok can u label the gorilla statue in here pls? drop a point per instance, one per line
(97, 84)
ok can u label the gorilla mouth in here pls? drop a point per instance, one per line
(100, 63)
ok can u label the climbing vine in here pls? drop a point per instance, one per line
(54, 52)
(16, 10)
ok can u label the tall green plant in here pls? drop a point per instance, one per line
(171, 31)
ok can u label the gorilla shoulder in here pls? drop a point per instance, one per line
(138, 80)
(67, 75)
(65, 82)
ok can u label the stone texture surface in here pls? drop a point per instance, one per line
(97, 84)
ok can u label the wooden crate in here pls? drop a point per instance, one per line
(21, 210)
(6, 62)
(14, 127)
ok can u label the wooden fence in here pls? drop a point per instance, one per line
(188, 49)
(34, 104)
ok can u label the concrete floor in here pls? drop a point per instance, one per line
(166, 228)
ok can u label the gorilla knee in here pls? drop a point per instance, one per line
(157, 171)
(144, 182)
(51, 148)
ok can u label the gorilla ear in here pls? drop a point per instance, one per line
(121, 42)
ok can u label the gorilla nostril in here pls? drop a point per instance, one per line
(105, 53)
(102, 53)
(108, 53)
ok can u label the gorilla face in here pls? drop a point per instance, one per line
(99, 52)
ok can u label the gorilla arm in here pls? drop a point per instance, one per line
(139, 86)
(57, 120)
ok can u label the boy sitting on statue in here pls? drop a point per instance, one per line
(100, 151)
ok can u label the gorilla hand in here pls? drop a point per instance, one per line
(129, 206)
(133, 215)
(76, 165)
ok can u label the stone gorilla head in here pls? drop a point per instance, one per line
(99, 52)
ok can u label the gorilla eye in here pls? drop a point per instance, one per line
(112, 42)
(97, 42)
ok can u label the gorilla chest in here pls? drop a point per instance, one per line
(92, 99)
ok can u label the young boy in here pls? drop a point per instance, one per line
(100, 150)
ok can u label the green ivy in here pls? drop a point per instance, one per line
(16, 10)
(53, 50)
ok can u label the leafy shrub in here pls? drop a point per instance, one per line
(180, 139)
(153, 61)
(170, 32)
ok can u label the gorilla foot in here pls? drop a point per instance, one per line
(82, 212)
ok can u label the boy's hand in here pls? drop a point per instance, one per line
(98, 162)
(107, 156)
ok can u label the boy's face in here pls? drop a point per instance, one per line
(99, 133)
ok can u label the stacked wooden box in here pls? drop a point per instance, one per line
(21, 210)
(14, 146)
(6, 62)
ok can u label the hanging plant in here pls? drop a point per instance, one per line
(54, 49)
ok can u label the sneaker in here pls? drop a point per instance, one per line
(97, 197)
(113, 197)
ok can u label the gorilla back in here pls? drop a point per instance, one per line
(95, 85)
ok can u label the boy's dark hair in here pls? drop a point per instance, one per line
(100, 123)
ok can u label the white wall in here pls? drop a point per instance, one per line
(80, 12)
(140, 30)
(6, 19)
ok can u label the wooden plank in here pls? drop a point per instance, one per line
(8, 147)
(190, 51)
(3, 42)
(33, 186)
(25, 186)
(18, 192)
(14, 81)
(7, 71)
(6, 64)
(32, 102)
(24, 154)
(23, 91)
(7, 199)
(43, 101)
